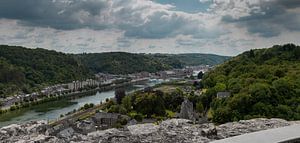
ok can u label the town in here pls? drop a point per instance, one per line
(101, 81)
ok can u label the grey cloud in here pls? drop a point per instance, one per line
(156, 27)
(151, 46)
(274, 17)
(163, 24)
(123, 42)
(55, 14)
(186, 42)
(289, 3)
(39, 40)
(82, 44)
(138, 19)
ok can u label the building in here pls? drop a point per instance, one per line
(223, 94)
(105, 120)
(76, 85)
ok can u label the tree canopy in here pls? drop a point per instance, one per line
(262, 82)
(26, 70)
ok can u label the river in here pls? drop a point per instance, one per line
(53, 110)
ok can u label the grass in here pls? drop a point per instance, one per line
(170, 114)
(167, 88)
(209, 114)
(132, 114)
(85, 116)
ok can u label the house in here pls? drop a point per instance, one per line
(11, 100)
(1, 101)
(85, 126)
(223, 94)
(105, 120)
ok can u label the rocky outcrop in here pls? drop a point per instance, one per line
(169, 131)
(187, 111)
(27, 133)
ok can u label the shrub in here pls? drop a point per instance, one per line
(139, 117)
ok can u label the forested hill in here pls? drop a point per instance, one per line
(122, 63)
(262, 82)
(193, 59)
(26, 70)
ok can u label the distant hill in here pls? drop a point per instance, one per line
(123, 63)
(26, 70)
(262, 82)
(194, 59)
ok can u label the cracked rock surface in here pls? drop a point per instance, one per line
(169, 131)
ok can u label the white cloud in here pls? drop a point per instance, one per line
(204, 1)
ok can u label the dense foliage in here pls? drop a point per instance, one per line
(200, 59)
(25, 70)
(262, 82)
(154, 103)
(150, 104)
(124, 63)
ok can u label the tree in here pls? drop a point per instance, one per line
(119, 95)
(261, 92)
(220, 87)
(138, 117)
(126, 103)
(87, 106)
(173, 101)
(200, 75)
(117, 109)
(222, 115)
(262, 109)
(199, 107)
(251, 54)
(149, 104)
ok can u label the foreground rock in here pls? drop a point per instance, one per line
(169, 131)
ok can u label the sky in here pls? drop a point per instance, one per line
(224, 27)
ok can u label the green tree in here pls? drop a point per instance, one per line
(119, 95)
(199, 107)
(262, 109)
(149, 104)
(220, 87)
(222, 115)
(200, 75)
(126, 103)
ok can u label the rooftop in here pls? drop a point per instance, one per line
(106, 115)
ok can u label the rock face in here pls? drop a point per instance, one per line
(143, 129)
(169, 131)
(187, 110)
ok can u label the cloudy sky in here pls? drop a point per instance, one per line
(225, 27)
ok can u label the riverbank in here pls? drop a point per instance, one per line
(52, 110)
(76, 94)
